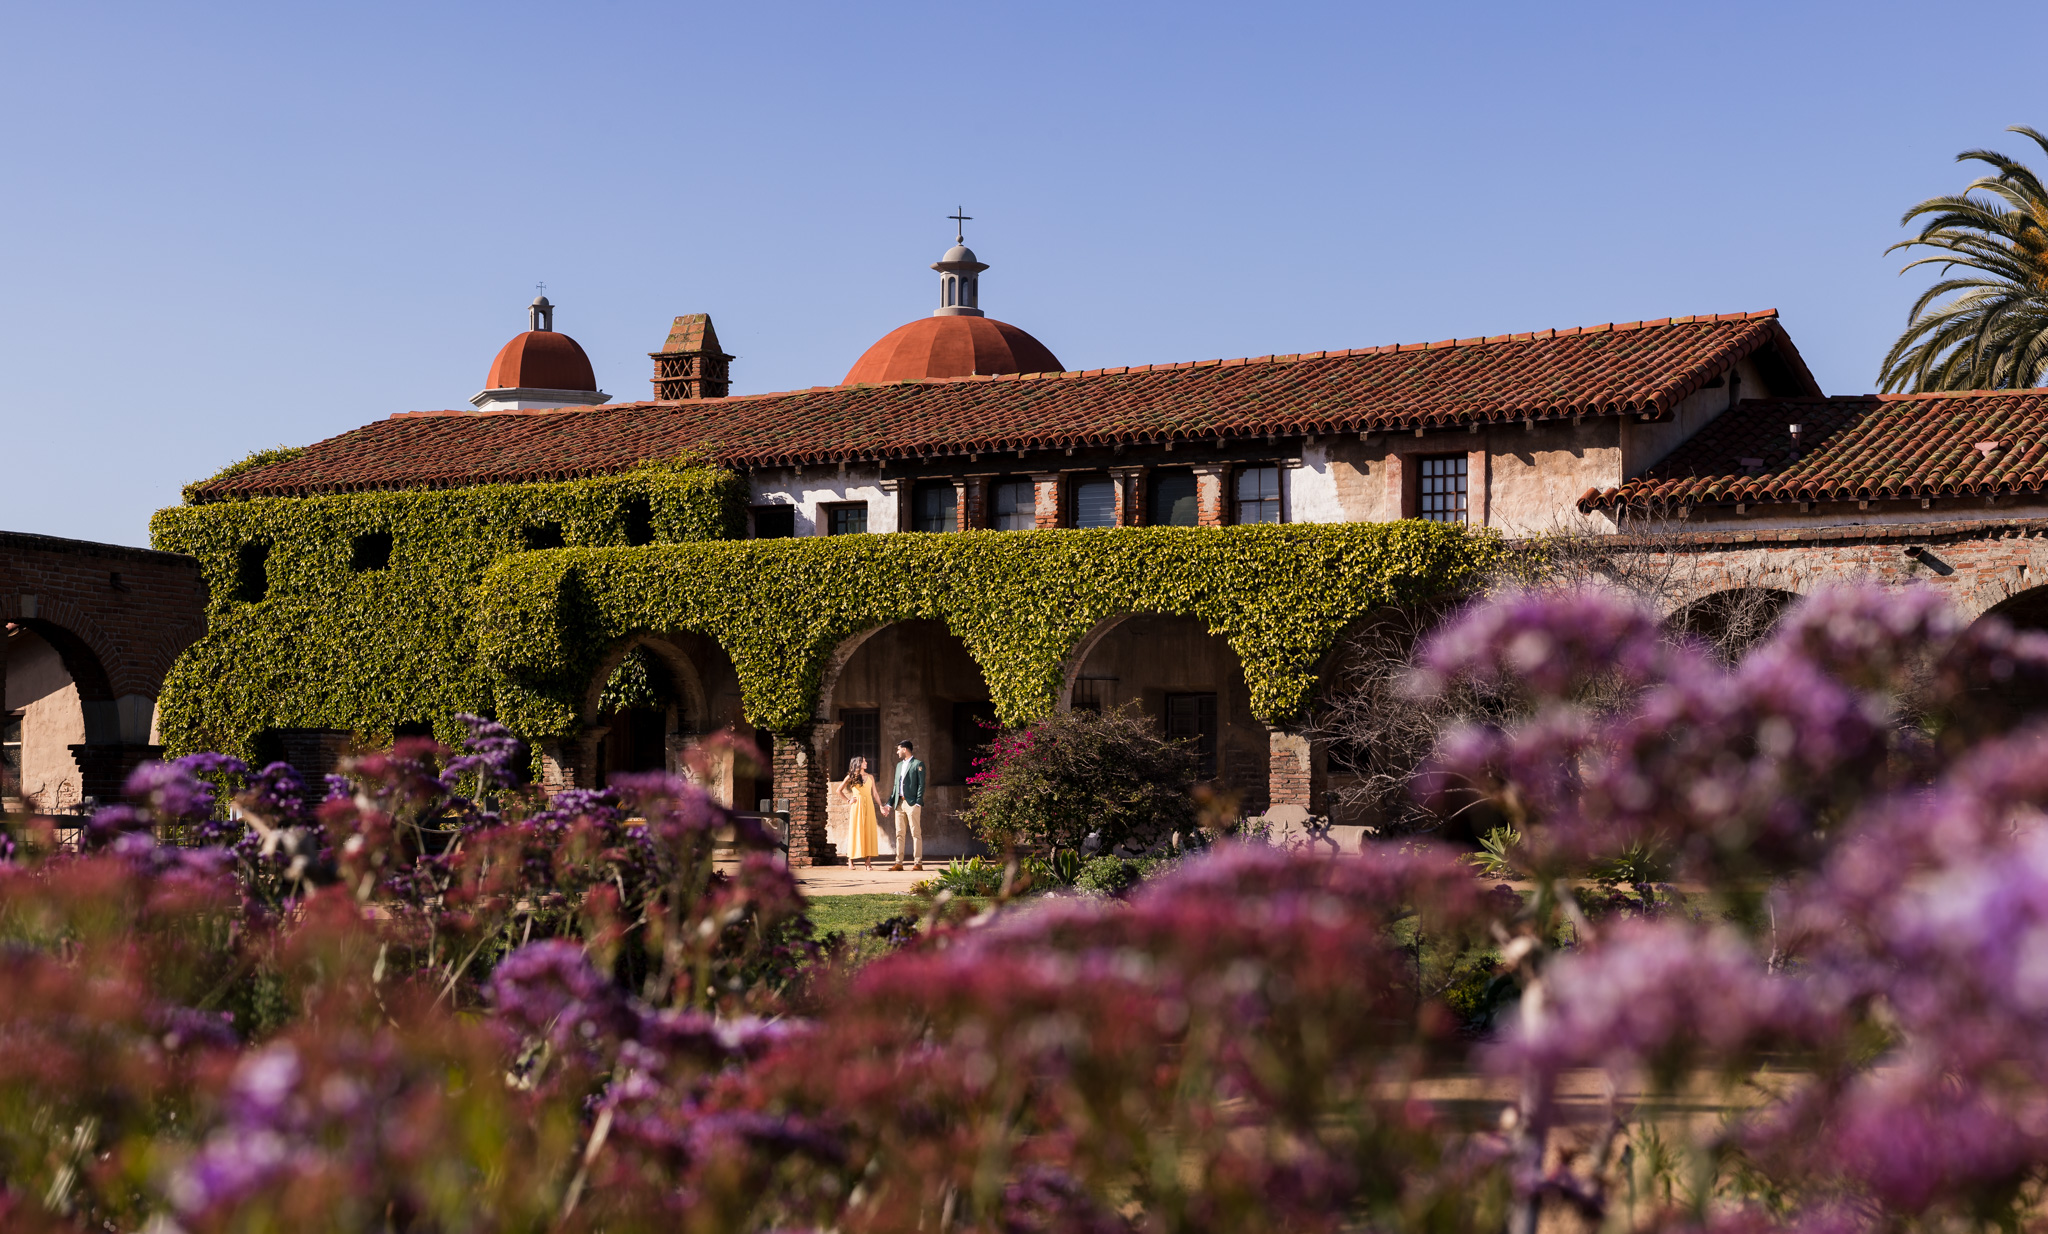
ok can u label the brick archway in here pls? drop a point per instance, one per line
(118, 618)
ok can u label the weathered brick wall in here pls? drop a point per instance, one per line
(800, 779)
(1294, 772)
(1977, 565)
(1046, 500)
(134, 608)
(1210, 510)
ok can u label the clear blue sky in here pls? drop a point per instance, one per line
(226, 227)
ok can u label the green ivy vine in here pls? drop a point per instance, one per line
(378, 609)
(1019, 601)
(336, 643)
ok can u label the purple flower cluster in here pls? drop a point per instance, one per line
(1909, 912)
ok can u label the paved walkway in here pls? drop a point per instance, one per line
(858, 880)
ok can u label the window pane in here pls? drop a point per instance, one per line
(1173, 500)
(934, 506)
(849, 519)
(10, 756)
(1095, 503)
(774, 522)
(1442, 488)
(860, 735)
(1016, 506)
(1258, 495)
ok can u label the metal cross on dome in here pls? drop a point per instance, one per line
(961, 220)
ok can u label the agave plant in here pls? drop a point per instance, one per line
(1993, 251)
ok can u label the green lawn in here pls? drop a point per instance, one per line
(853, 916)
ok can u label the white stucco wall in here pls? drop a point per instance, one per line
(1310, 491)
(817, 488)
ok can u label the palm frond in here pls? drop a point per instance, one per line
(1984, 322)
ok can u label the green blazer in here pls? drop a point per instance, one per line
(909, 782)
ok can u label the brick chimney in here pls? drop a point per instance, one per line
(690, 365)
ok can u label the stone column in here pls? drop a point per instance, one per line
(800, 779)
(1211, 480)
(1046, 492)
(1129, 483)
(1297, 767)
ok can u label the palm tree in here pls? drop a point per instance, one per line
(1994, 335)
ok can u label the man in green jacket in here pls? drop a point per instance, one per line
(907, 802)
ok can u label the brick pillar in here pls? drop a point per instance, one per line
(974, 510)
(800, 779)
(103, 767)
(1296, 769)
(1045, 490)
(1209, 484)
(570, 762)
(1128, 493)
(962, 512)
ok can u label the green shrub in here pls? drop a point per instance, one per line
(972, 877)
(1080, 773)
(1110, 875)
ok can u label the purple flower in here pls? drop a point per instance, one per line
(550, 990)
(173, 791)
(490, 752)
(1660, 994)
(1553, 644)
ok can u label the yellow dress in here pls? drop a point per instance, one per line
(864, 831)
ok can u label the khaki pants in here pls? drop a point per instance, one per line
(911, 817)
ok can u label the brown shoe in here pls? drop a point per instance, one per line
(897, 866)
(918, 866)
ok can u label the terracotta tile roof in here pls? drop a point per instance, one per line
(1867, 447)
(691, 332)
(1637, 368)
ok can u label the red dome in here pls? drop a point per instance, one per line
(541, 360)
(952, 347)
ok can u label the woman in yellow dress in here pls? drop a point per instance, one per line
(864, 832)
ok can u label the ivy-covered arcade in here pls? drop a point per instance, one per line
(343, 618)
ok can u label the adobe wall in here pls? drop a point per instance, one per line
(42, 694)
(1521, 480)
